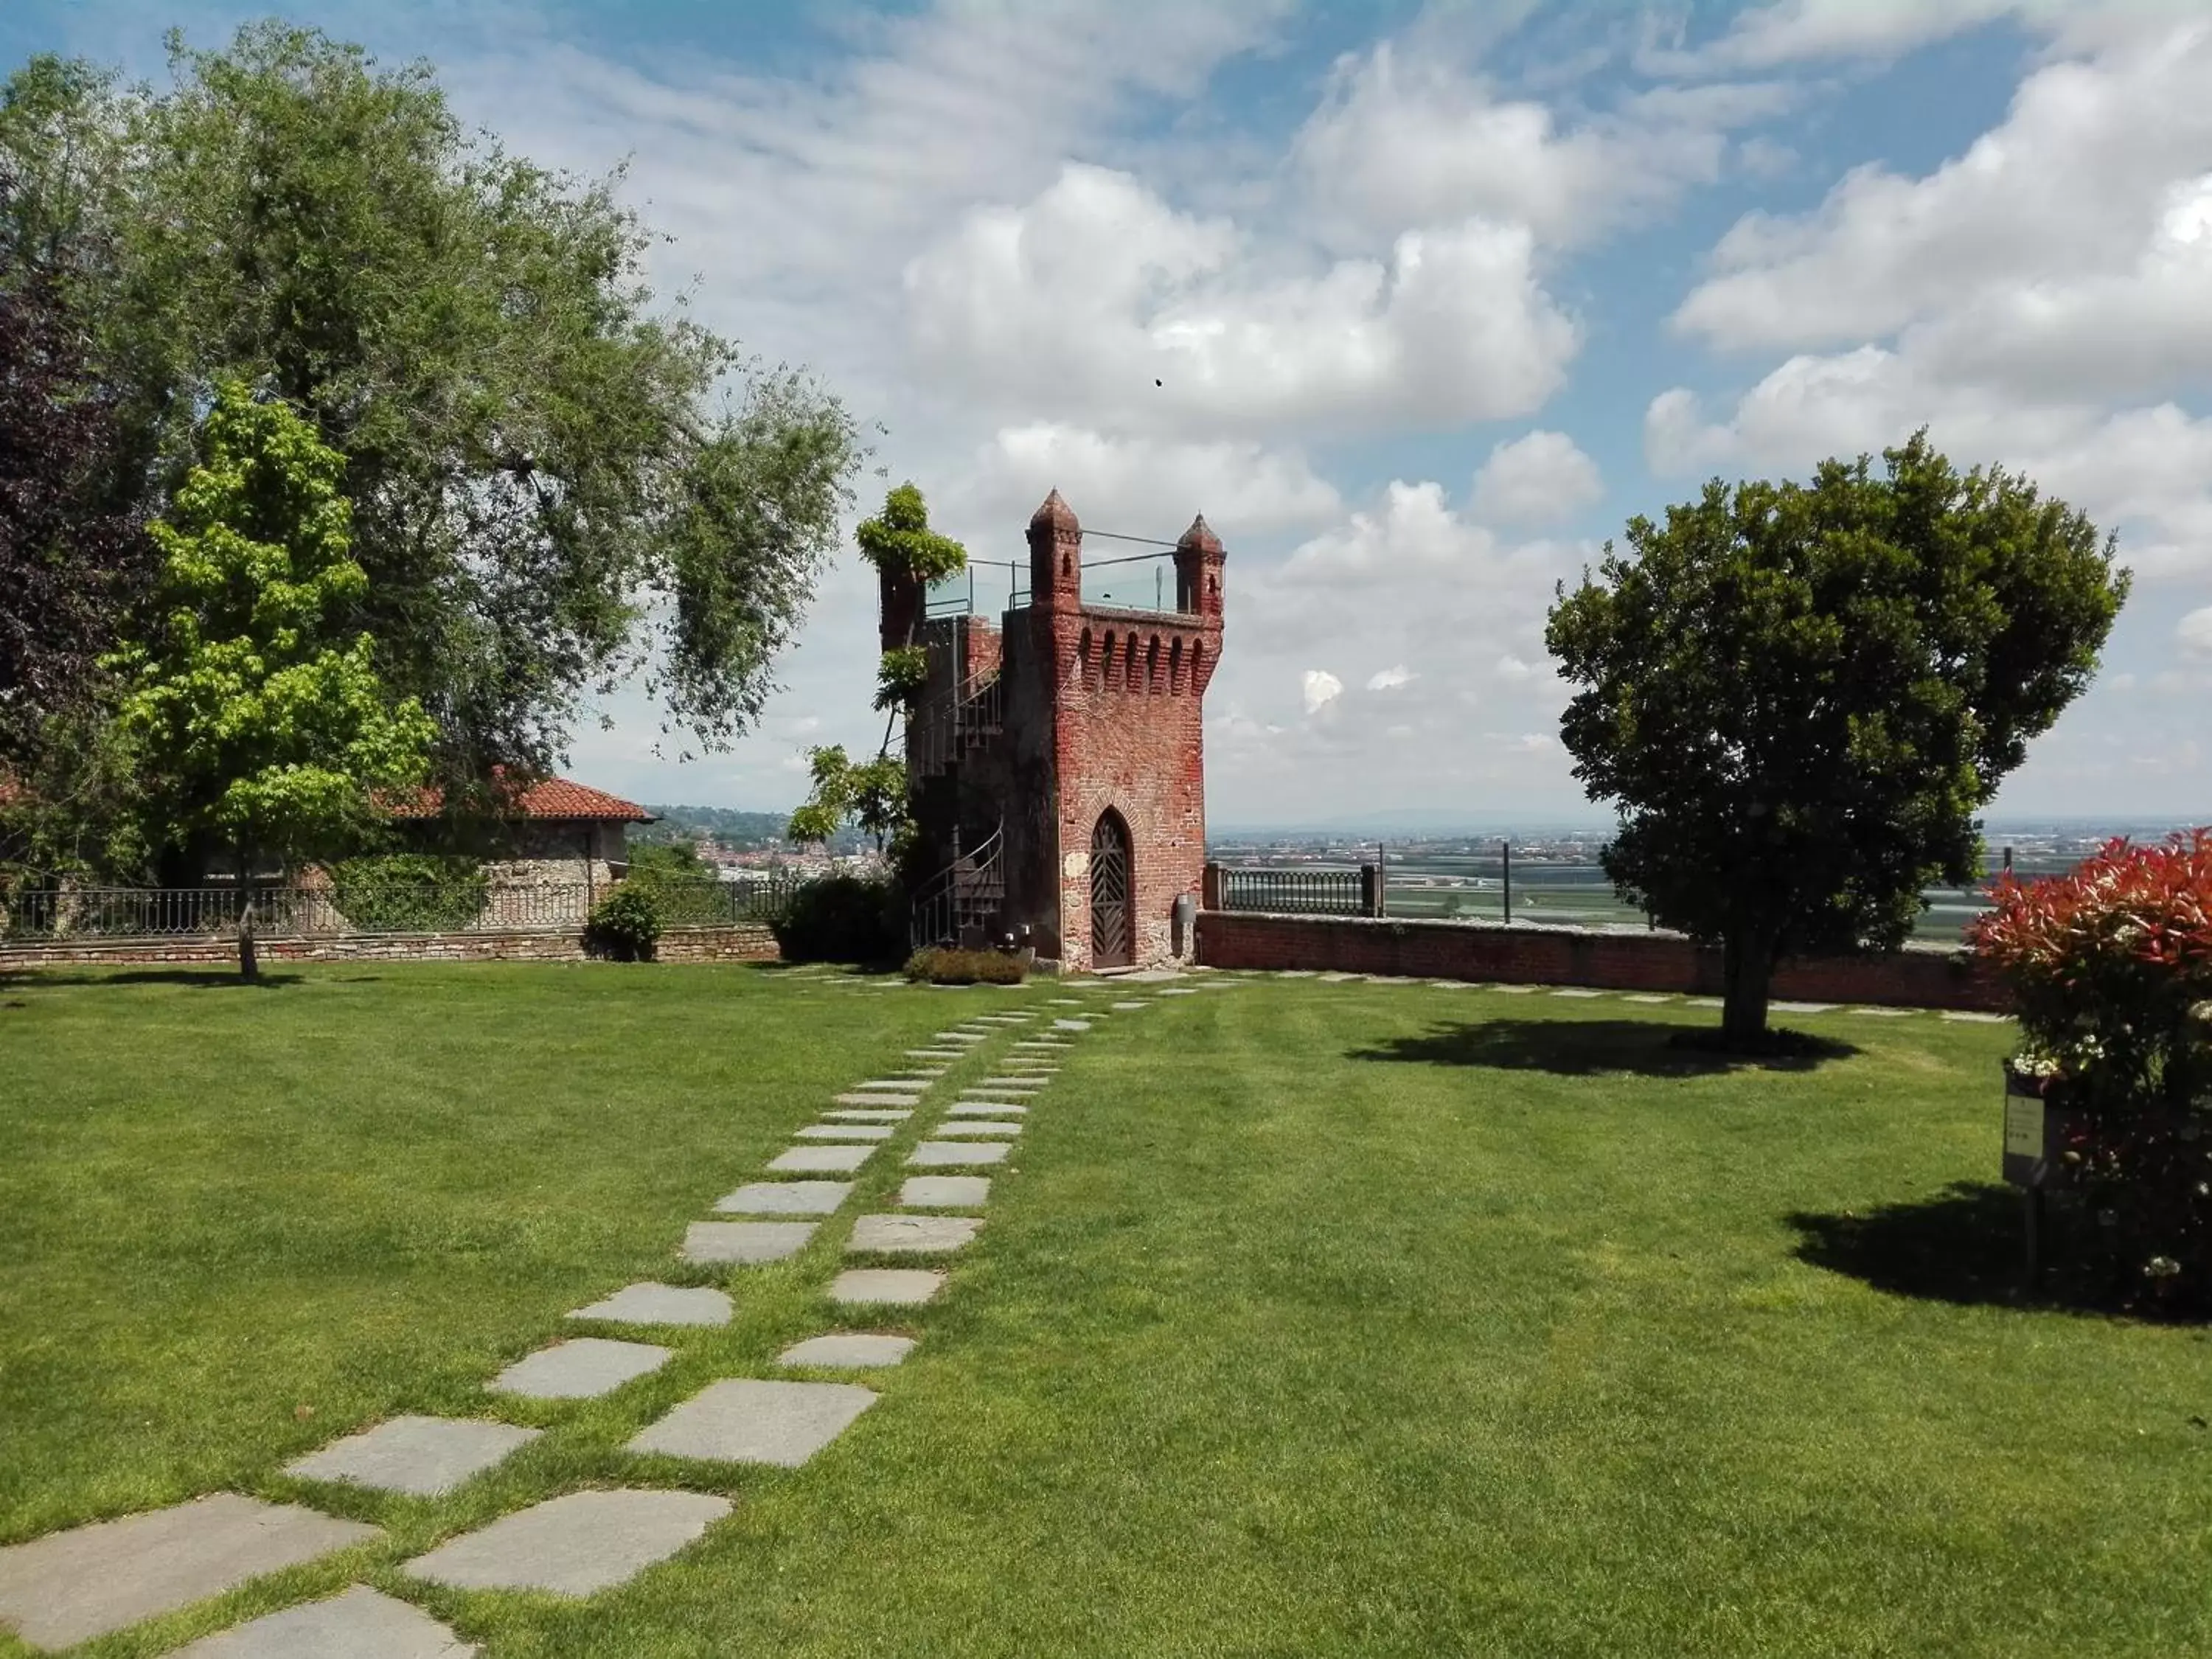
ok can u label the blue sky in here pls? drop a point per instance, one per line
(1438, 296)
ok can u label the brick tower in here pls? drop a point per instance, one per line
(1057, 762)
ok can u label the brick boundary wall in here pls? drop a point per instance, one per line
(1494, 953)
(744, 942)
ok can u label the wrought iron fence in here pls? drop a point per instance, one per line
(55, 912)
(1285, 892)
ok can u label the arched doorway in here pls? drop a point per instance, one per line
(1112, 924)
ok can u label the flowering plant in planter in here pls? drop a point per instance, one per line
(2110, 967)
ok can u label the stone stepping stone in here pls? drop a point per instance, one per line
(847, 1351)
(878, 1099)
(361, 1624)
(1065, 1002)
(1050, 1044)
(1706, 1002)
(1648, 996)
(581, 1368)
(969, 1126)
(785, 1198)
(1575, 991)
(661, 1305)
(963, 1036)
(985, 1109)
(1968, 1016)
(1802, 1008)
(1071, 1025)
(896, 1085)
(1004, 1085)
(745, 1421)
(901, 1287)
(1513, 990)
(70, 1586)
(868, 1115)
(943, 1154)
(936, 1054)
(420, 1457)
(846, 1132)
(1878, 1013)
(1186, 991)
(912, 1235)
(578, 1545)
(1128, 1008)
(1337, 979)
(1296, 973)
(946, 1191)
(750, 1242)
(820, 1160)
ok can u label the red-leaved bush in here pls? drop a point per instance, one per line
(2110, 968)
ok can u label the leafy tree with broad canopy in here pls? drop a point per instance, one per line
(251, 715)
(555, 484)
(1799, 696)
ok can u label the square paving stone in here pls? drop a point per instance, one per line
(422, 1456)
(1071, 1025)
(1968, 1016)
(70, 1586)
(847, 1351)
(1706, 1002)
(820, 1160)
(572, 1546)
(846, 1132)
(977, 1126)
(1129, 1007)
(869, 1115)
(1649, 996)
(895, 1086)
(660, 1304)
(920, 1235)
(1065, 1002)
(581, 1368)
(946, 1191)
(1879, 1013)
(747, 1241)
(984, 1109)
(1515, 990)
(361, 1624)
(944, 1154)
(962, 1036)
(877, 1099)
(1802, 1007)
(935, 1053)
(886, 1286)
(785, 1198)
(1575, 991)
(745, 1421)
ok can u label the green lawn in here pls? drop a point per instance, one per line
(1311, 1319)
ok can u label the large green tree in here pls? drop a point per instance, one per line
(256, 718)
(556, 482)
(1798, 696)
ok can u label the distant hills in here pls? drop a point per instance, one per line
(741, 832)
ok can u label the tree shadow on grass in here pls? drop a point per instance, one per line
(198, 978)
(1965, 1246)
(1590, 1048)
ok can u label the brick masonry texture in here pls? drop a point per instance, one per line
(744, 943)
(1574, 956)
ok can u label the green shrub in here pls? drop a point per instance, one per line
(941, 965)
(625, 924)
(409, 892)
(842, 918)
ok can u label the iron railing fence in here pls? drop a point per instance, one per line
(1292, 892)
(56, 912)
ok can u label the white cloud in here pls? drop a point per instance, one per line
(1511, 667)
(1412, 140)
(1789, 32)
(1320, 689)
(1540, 479)
(1075, 304)
(2195, 631)
(1389, 679)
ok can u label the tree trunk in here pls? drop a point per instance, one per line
(249, 962)
(1747, 970)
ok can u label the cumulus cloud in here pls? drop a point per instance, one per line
(1794, 31)
(1540, 479)
(1320, 688)
(1389, 679)
(1098, 302)
(2195, 631)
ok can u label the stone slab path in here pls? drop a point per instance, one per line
(946, 1191)
(574, 1546)
(847, 1351)
(914, 1235)
(747, 1243)
(785, 1198)
(1965, 1016)
(420, 1457)
(846, 1132)
(945, 1154)
(869, 1115)
(985, 1109)
(972, 1126)
(582, 1368)
(885, 1286)
(70, 1586)
(747, 1421)
(1575, 991)
(820, 1160)
(1878, 1013)
(661, 1305)
(1648, 996)
(936, 1054)
(361, 1624)
(877, 1099)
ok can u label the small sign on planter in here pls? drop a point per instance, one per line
(2032, 1132)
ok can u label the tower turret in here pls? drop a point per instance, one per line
(1055, 557)
(1198, 561)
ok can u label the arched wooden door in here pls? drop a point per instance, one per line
(1112, 890)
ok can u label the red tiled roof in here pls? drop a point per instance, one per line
(550, 797)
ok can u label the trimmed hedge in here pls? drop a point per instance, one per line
(409, 892)
(842, 918)
(940, 965)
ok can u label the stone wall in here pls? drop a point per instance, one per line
(1494, 953)
(746, 942)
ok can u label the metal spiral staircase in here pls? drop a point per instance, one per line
(962, 903)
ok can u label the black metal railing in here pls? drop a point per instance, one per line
(1292, 892)
(952, 727)
(56, 912)
(964, 901)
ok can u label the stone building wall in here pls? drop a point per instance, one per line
(744, 942)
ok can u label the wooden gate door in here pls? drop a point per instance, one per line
(1111, 928)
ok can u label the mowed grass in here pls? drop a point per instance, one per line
(1308, 1318)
